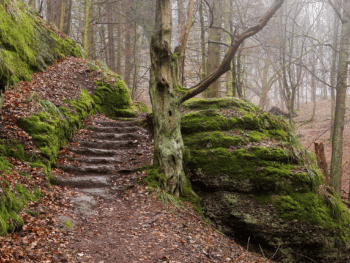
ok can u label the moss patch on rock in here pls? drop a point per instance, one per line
(11, 203)
(113, 99)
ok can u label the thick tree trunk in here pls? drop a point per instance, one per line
(337, 142)
(214, 57)
(168, 144)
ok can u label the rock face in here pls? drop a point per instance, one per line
(259, 186)
(28, 43)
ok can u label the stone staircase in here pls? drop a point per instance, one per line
(113, 148)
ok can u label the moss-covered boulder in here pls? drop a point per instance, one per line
(259, 186)
(27, 43)
(114, 100)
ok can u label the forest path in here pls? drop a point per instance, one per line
(112, 218)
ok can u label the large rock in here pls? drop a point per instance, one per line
(259, 186)
(28, 43)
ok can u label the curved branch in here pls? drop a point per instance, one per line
(226, 63)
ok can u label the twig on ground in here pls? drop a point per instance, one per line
(248, 244)
(305, 257)
(262, 251)
(276, 252)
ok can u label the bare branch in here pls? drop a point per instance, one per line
(226, 63)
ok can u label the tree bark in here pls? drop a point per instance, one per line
(214, 56)
(86, 26)
(110, 27)
(337, 142)
(335, 44)
(204, 61)
(69, 18)
(128, 25)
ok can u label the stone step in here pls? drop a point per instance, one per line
(98, 144)
(101, 192)
(116, 129)
(97, 152)
(116, 136)
(99, 160)
(90, 169)
(87, 181)
(116, 123)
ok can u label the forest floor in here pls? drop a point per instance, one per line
(319, 130)
(106, 218)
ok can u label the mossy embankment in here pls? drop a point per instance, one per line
(257, 183)
(28, 43)
(53, 128)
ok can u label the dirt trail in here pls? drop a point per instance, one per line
(114, 219)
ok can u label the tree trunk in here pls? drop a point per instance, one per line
(337, 142)
(128, 25)
(334, 63)
(92, 43)
(264, 84)
(110, 27)
(86, 26)
(69, 18)
(119, 47)
(214, 57)
(168, 144)
(204, 61)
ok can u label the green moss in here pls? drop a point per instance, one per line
(68, 224)
(25, 194)
(181, 89)
(4, 164)
(224, 103)
(27, 45)
(265, 171)
(206, 120)
(113, 99)
(255, 136)
(38, 193)
(315, 209)
(142, 107)
(24, 174)
(32, 213)
(154, 179)
(13, 149)
(211, 140)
